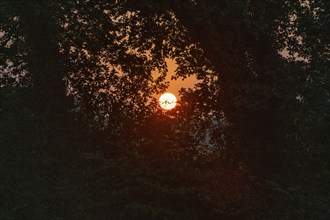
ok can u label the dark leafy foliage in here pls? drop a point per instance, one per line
(82, 137)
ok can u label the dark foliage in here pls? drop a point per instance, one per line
(82, 137)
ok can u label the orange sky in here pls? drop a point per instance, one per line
(176, 85)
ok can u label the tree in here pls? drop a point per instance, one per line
(261, 95)
(30, 42)
(254, 103)
(92, 52)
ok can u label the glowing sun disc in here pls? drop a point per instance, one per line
(167, 101)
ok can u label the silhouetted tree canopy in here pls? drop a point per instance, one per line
(249, 141)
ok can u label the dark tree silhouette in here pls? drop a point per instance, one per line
(261, 96)
(82, 134)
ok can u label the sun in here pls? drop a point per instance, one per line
(167, 101)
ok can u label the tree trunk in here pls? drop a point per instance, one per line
(44, 60)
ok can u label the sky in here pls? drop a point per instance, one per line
(176, 85)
